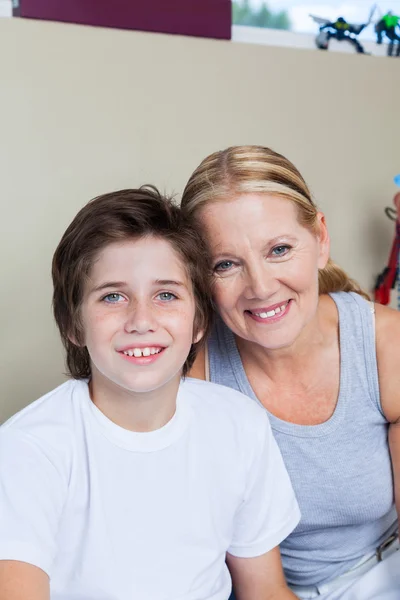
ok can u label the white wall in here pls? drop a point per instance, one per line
(5, 8)
(85, 111)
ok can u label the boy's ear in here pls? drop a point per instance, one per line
(73, 338)
(198, 336)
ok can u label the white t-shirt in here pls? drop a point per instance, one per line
(111, 514)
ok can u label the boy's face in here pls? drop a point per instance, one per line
(138, 312)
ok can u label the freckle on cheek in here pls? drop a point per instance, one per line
(98, 318)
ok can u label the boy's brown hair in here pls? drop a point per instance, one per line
(117, 217)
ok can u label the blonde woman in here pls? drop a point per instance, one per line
(299, 337)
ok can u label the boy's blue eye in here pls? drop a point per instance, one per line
(224, 265)
(167, 296)
(113, 298)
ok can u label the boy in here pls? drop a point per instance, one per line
(126, 483)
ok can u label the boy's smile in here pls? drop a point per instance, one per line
(138, 354)
(138, 313)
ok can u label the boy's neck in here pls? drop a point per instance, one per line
(139, 412)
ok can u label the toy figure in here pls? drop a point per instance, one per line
(340, 30)
(387, 25)
(387, 280)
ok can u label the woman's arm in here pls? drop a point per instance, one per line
(21, 581)
(388, 356)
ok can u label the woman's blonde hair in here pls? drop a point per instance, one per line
(256, 169)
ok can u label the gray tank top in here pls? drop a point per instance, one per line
(341, 469)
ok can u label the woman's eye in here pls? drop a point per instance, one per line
(280, 250)
(113, 298)
(224, 265)
(166, 296)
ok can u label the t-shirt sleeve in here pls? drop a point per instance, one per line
(32, 493)
(269, 510)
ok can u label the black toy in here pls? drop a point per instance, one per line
(340, 30)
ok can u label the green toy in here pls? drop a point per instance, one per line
(387, 25)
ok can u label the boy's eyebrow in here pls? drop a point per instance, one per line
(121, 284)
(108, 284)
(169, 282)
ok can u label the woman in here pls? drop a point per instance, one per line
(294, 333)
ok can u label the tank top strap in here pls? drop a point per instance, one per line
(357, 325)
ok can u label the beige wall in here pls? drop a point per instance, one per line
(85, 111)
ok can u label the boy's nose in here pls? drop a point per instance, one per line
(140, 319)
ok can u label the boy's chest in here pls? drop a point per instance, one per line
(143, 523)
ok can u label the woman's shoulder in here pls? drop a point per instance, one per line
(388, 357)
(386, 319)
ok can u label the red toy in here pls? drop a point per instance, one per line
(390, 275)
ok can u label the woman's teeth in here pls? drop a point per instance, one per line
(272, 313)
(138, 352)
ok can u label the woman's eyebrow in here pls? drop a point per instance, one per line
(283, 237)
(219, 250)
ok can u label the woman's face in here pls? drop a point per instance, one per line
(265, 267)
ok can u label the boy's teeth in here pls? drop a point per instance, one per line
(272, 313)
(138, 352)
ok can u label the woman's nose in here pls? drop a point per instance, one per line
(261, 282)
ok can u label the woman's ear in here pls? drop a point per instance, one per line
(324, 241)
